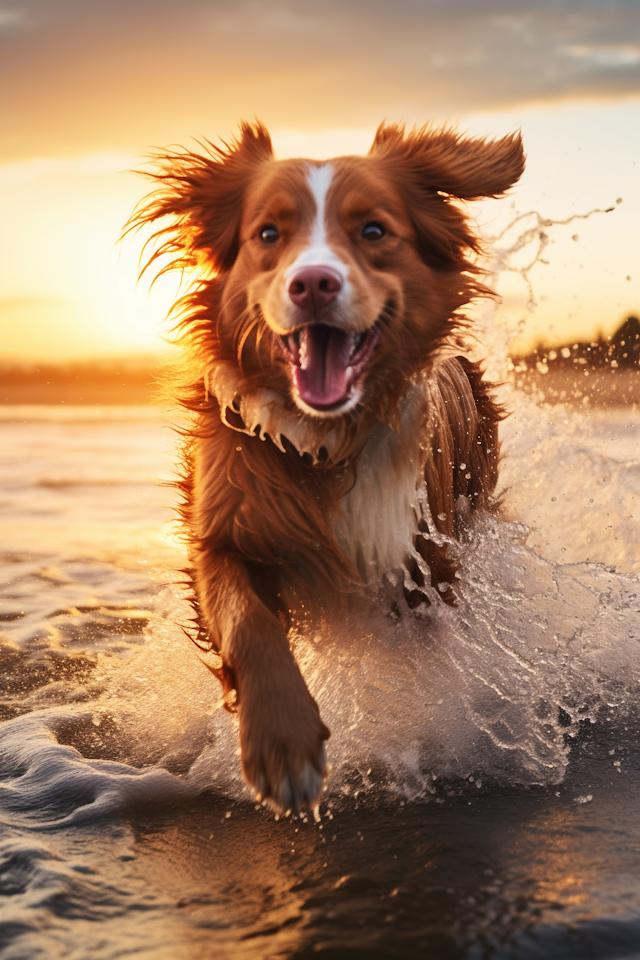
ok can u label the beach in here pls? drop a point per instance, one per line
(483, 795)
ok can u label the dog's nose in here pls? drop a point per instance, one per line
(314, 287)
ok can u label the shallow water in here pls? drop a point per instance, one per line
(485, 785)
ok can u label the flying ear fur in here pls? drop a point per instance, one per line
(204, 196)
(441, 159)
(432, 168)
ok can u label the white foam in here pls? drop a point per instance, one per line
(412, 703)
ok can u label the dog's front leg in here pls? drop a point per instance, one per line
(281, 733)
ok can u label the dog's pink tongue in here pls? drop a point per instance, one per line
(321, 379)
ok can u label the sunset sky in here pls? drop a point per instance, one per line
(88, 86)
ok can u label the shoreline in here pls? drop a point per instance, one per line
(590, 388)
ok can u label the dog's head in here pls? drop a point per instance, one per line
(334, 281)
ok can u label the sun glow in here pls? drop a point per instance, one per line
(69, 290)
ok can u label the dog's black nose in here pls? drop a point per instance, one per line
(314, 287)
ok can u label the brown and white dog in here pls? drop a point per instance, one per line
(339, 433)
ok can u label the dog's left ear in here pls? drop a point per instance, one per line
(204, 196)
(435, 167)
(444, 161)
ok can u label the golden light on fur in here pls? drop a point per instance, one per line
(339, 431)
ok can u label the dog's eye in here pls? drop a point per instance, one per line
(373, 231)
(269, 234)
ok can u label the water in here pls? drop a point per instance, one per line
(485, 785)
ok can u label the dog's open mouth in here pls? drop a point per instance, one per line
(326, 362)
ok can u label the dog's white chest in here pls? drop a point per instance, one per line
(378, 520)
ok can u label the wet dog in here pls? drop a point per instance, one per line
(339, 431)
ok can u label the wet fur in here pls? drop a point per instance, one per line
(276, 502)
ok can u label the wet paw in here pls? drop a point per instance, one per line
(295, 791)
(282, 748)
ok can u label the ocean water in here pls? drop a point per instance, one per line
(484, 795)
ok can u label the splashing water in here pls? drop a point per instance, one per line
(486, 691)
(113, 706)
(108, 713)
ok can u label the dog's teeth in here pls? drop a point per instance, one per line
(302, 336)
(291, 344)
(357, 340)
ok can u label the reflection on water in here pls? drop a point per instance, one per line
(80, 479)
(483, 800)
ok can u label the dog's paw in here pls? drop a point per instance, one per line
(282, 747)
(295, 791)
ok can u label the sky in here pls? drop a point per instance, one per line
(89, 86)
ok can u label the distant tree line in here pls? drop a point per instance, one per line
(621, 350)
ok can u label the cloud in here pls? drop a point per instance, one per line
(24, 171)
(116, 72)
(621, 55)
(9, 17)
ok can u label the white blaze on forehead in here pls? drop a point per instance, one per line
(319, 180)
(318, 253)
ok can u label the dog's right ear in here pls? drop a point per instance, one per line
(203, 194)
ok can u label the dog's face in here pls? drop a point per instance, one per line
(327, 257)
(336, 280)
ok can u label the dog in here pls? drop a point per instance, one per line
(339, 432)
